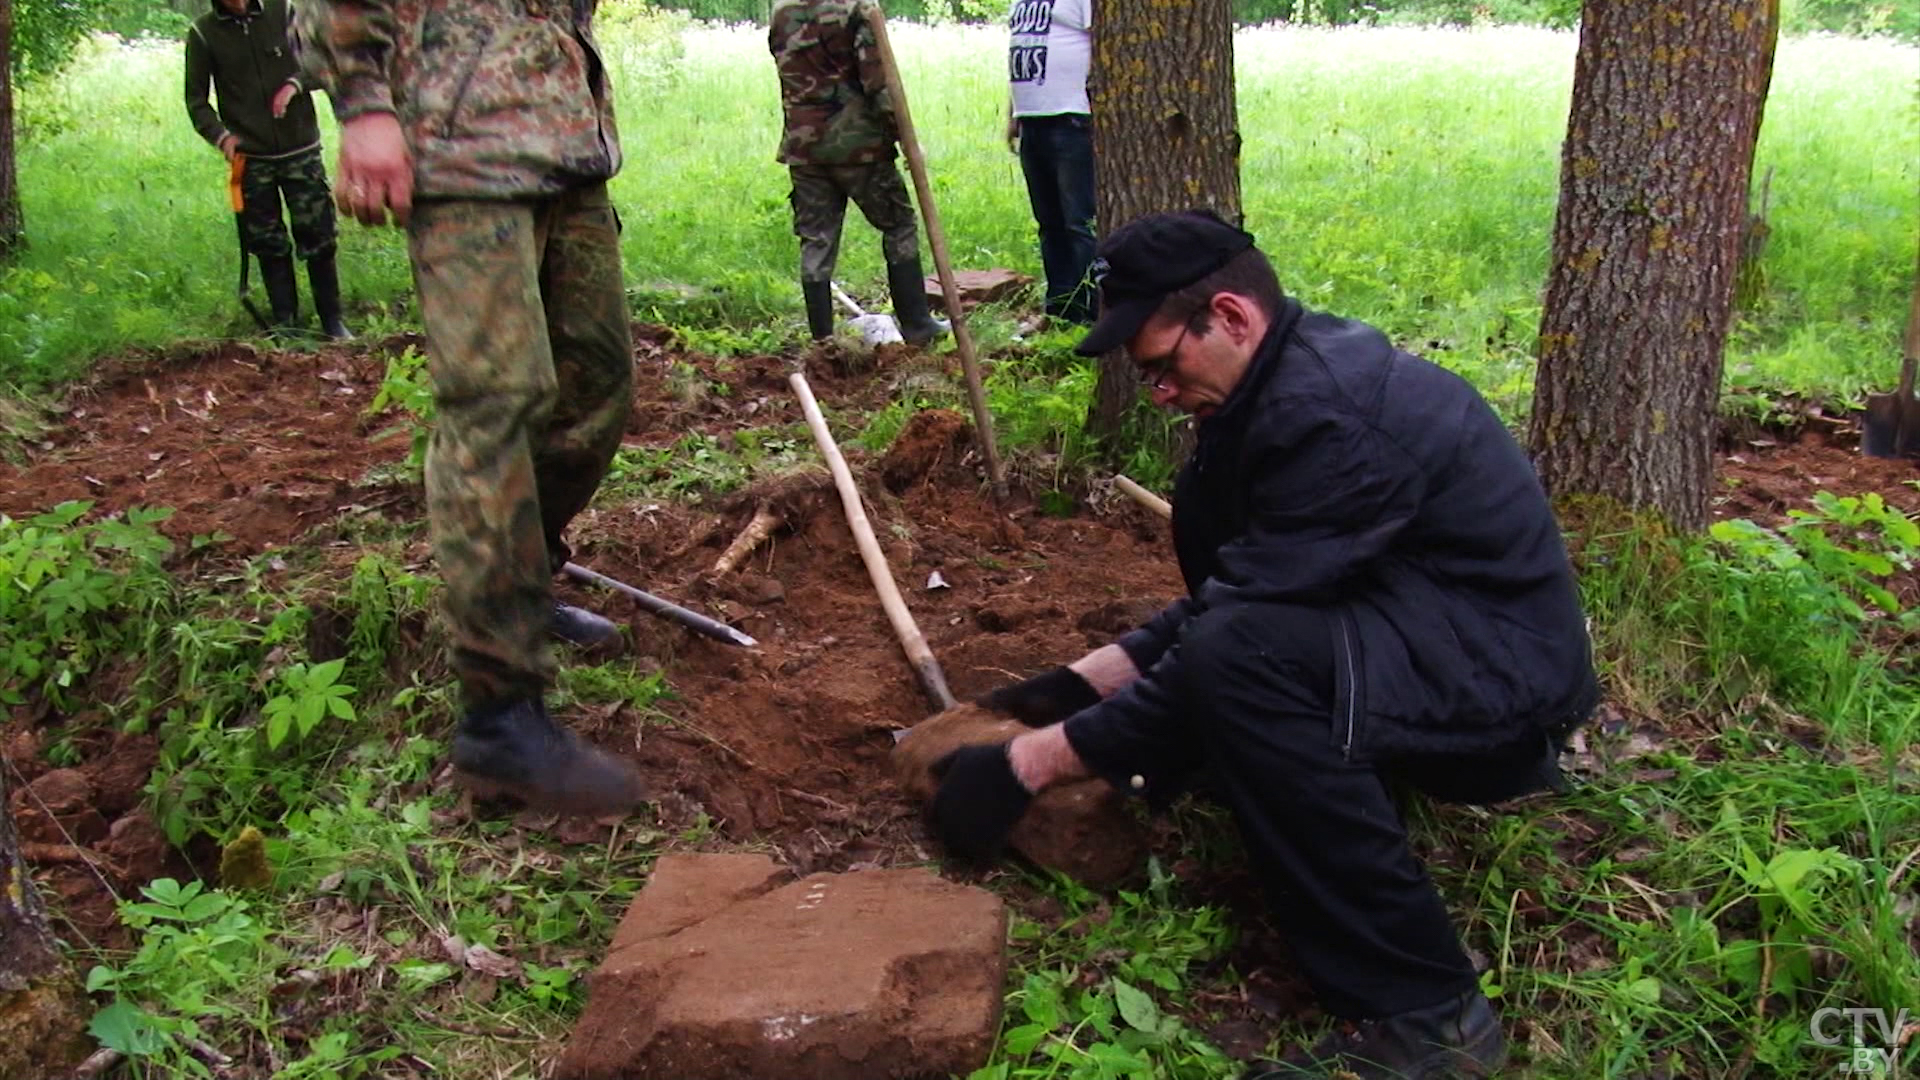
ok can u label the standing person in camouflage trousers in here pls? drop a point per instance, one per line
(265, 125)
(486, 128)
(838, 144)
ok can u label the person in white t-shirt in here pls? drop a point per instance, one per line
(1051, 127)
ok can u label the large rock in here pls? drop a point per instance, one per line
(1082, 829)
(976, 287)
(726, 969)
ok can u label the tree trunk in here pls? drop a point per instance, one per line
(1166, 136)
(12, 224)
(1653, 197)
(40, 1019)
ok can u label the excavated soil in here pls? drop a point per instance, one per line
(785, 745)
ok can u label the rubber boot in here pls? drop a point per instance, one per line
(324, 279)
(907, 285)
(819, 298)
(518, 749)
(283, 294)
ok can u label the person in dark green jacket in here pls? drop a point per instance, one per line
(265, 125)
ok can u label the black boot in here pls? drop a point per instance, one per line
(324, 279)
(819, 298)
(1459, 1037)
(517, 748)
(907, 285)
(283, 294)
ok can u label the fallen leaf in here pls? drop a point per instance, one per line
(487, 962)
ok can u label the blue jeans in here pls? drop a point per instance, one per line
(1056, 154)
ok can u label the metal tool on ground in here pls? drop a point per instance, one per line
(236, 171)
(1892, 425)
(666, 609)
(937, 242)
(932, 680)
(1144, 497)
(874, 329)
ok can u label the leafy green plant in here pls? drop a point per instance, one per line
(308, 695)
(197, 950)
(1107, 1022)
(69, 591)
(408, 387)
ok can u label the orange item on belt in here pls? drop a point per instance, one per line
(234, 173)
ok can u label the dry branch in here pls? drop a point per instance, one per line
(757, 530)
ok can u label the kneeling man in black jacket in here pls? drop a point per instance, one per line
(1377, 591)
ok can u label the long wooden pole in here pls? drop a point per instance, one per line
(932, 680)
(1144, 497)
(937, 241)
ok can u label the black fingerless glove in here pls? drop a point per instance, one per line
(1047, 698)
(979, 801)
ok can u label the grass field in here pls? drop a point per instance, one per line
(1404, 176)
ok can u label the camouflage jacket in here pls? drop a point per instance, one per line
(832, 86)
(497, 98)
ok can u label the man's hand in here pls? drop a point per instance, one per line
(1013, 133)
(1047, 698)
(979, 801)
(282, 98)
(376, 171)
(229, 145)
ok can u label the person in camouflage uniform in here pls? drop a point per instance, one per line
(266, 127)
(486, 128)
(838, 144)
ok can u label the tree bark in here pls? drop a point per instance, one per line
(1166, 136)
(1654, 175)
(12, 223)
(40, 1018)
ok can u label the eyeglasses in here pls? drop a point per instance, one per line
(1155, 369)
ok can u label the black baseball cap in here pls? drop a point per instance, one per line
(1144, 261)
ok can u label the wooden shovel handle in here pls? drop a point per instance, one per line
(933, 682)
(1913, 337)
(937, 243)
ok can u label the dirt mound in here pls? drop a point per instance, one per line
(933, 437)
(261, 446)
(85, 831)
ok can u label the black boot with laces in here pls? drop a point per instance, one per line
(1458, 1038)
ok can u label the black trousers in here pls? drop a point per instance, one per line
(1365, 922)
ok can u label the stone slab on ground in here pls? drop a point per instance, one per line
(976, 287)
(725, 968)
(1081, 828)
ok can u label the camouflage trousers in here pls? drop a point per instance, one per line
(301, 183)
(820, 194)
(532, 364)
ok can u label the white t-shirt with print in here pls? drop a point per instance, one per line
(1051, 51)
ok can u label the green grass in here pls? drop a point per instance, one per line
(1404, 176)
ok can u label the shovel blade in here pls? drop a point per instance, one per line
(1880, 429)
(1906, 442)
(1892, 424)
